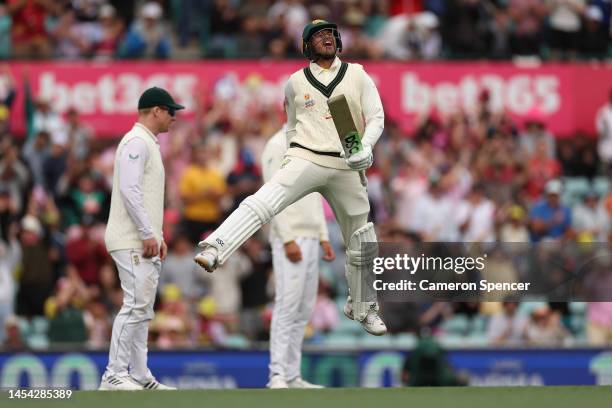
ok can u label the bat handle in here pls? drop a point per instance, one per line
(362, 177)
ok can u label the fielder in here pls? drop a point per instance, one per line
(134, 240)
(315, 162)
(295, 237)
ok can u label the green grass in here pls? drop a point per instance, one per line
(507, 397)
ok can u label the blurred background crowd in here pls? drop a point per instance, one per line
(389, 29)
(463, 177)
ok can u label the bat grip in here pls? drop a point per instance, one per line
(362, 177)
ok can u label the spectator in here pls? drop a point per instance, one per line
(97, 323)
(171, 322)
(29, 36)
(541, 169)
(548, 218)
(565, 23)
(36, 152)
(478, 217)
(224, 23)
(56, 164)
(147, 38)
(180, 270)
(514, 229)
(73, 39)
(66, 317)
(7, 96)
(589, 220)
(244, 179)
(603, 123)
(527, 17)
(86, 200)
(544, 328)
(47, 119)
(111, 31)
(325, 316)
(10, 257)
(201, 188)
(411, 37)
(599, 323)
(435, 215)
(254, 290)
(14, 175)
(13, 341)
(507, 327)
(86, 255)
(5, 32)
(36, 278)
(211, 330)
(79, 135)
(595, 36)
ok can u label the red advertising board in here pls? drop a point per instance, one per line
(566, 96)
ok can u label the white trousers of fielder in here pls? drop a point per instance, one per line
(296, 287)
(128, 350)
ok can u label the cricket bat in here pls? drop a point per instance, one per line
(347, 131)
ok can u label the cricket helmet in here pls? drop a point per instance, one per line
(311, 29)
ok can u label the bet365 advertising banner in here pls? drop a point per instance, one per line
(249, 369)
(565, 96)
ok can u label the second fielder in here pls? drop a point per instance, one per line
(295, 237)
(315, 162)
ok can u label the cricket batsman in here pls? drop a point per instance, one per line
(134, 240)
(316, 162)
(297, 233)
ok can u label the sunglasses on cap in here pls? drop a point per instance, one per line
(170, 111)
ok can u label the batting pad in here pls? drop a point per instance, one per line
(361, 251)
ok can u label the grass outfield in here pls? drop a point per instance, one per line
(494, 397)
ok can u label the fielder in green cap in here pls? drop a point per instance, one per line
(134, 240)
(315, 162)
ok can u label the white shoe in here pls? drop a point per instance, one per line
(155, 385)
(117, 383)
(207, 259)
(277, 382)
(372, 323)
(301, 383)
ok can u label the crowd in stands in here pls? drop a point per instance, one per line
(466, 177)
(371, 29)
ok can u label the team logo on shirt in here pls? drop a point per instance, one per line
(133, 157)
(285, 162)
(308, 101)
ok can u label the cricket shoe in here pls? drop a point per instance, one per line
(118, 383)
(277, 382)
(301, 383)
(372, 323)
(154, 385)
(207, 259)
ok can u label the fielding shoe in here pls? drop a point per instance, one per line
(277, 382)
(155, 385)
(117, 383)
(372, 323)
(207, 259)
(301, 383)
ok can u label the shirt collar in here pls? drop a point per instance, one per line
(316, 69)
(143, 127)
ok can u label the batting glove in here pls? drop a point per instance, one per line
(361, 160)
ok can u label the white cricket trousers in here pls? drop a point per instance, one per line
(128, 350)
(296, 287)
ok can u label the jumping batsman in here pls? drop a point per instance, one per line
(295, 237)
(134, 240)
(315, 161)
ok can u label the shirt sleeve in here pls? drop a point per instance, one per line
(372, 111)
(290, 110)
(132, 160)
